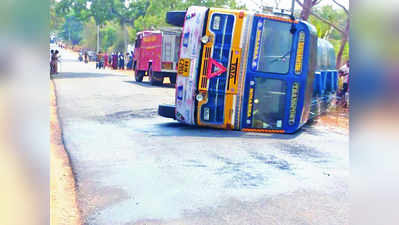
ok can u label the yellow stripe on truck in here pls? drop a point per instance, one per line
(233, 71)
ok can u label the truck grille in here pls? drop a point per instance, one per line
(216, 87)
(204, 80)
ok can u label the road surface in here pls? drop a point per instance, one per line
(134, 167)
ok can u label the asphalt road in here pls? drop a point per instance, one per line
(134, 167)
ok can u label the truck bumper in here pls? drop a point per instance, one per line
(167, 111)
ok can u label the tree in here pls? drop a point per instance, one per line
(89, 37)
(125, 12)
(55, 21)
(307, 11)
(121, 19)
(345, 35)
(307, 6)
(100, 10)
(71, 30)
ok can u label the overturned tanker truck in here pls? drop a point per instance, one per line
(250, 71)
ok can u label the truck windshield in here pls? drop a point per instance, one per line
(269, 103)
(276, 46)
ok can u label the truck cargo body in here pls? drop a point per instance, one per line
(156, 55)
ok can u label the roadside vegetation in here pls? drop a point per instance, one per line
(114, 23)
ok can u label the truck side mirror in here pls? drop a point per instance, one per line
(175, 18)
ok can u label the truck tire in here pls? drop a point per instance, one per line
(172, 78)
(153, 77)
(176, 18)
(138, 75)
(167, 111)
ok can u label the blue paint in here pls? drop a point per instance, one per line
(186, 37)
(321, 84)
(221, 54)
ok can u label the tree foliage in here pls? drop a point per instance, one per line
(333, 22)
(326, 31)
(120, 20)
(89, 37)
(71, 30)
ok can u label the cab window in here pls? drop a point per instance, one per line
(275, 47)
(138, 42)
(269, 103)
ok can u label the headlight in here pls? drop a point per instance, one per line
(199, 97)
(205, 39)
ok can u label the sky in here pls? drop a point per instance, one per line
(286, 4)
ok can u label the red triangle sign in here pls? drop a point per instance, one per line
(219, 69)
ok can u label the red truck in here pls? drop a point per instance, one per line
(156, 55)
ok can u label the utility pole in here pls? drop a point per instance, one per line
(277, 4)
(292, 9)
(98, 38)
(125, 35)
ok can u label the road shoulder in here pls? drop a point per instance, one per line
(63, 199)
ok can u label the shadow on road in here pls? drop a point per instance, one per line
(179, 129)
(147, 84)
(66, 75)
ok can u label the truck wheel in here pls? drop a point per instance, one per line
(152, 76)
(176, 18)
(172, 78)
(138, 75)
(167, 111)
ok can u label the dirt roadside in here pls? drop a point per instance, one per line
(63, 201)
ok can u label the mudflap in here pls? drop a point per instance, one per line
(167, 111)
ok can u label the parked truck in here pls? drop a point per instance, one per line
(156, 55)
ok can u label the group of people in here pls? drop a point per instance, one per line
(114, 60)
(54, 61)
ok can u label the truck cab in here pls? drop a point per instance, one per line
(245, 71)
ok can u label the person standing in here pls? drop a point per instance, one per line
(130, 61)
(344, 70)
(100, 60)
(52, 66)
(86, 56)
(121, 61)
(110, 60)
(105, 60)
(114, 61)
(54, 62)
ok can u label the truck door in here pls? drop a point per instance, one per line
(137, 52)
(276, 75)
(169, 51)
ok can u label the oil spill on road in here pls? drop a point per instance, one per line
(302, 151)
(194, 163)
(129, 114)
(271, 160)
